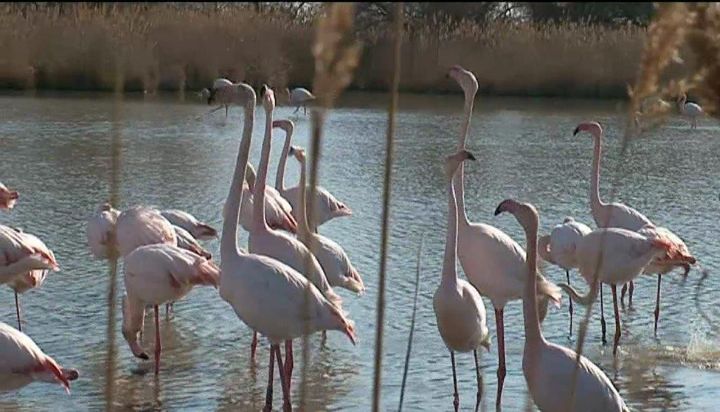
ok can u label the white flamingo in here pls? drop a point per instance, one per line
(332, 257)
(267, 295)
(493, 262)
(558, 248)
(558, 380)
(188, 242)
(299, 96)
(22, 362)
(100, 231)
(8, 197)
(199, 230)
(24, 262)
(459, 309)
(614, 214)
(157, 274)
(326, 206)
(274, 243)
(691, 110)
(221, 93)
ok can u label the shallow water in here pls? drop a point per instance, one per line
(58, 150)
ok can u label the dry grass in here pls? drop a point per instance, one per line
(165, 48)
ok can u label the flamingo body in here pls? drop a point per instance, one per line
(562, 241)
(140, 226)
(8, 197)
(100, 231)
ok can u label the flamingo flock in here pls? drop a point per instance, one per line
(282, 286)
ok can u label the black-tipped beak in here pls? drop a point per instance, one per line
(499, 209)
(577, 130)
(263, 90)
(291, 152)
(470, 156)
(143, 356)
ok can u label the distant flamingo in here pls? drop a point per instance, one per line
(299, 96)
(493, 262)
(22, 362)
(24, 260)
(459, 309)
(267, 295)
(691, 110)
(186, 241)
(7, 197)
(332, 257)
(157, 274)
(221, 92)
(199, 230)
(326, 206)
(274, 243)
(100, 231)
(557, 379)
(558, 248)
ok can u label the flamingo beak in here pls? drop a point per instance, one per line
(577, 130)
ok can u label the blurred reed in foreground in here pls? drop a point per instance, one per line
(169, 48)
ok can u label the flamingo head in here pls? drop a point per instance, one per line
(525, 213)
(286, 125)
(298, 152)
(204, 93)
(682, 98)
(593, 128)
(453, 161)
(465, 78)
(211, 96)
(7, 197)
(268, 98)
(250, 176)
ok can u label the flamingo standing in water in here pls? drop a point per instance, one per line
(219, 93)
(157, 274)
(100, 231)
(267, 295)
(22, 362)
(7, 197)
(558, 248)
(493, 262)
(326, 206)
(199, 230)
(557, 379)
(459, 309)
(691, 110)
(333, 259)
(615, 214)
(274, 243)
(299, 96)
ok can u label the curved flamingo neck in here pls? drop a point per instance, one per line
(533, 334)
(280, 176)
(228, 240)
(449, 271)
(595, 203)
(302, 217)
(460, 176)
(259, 221)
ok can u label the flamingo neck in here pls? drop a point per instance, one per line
(595, 203)
(533, 334)
(302, 209)
(228, 241)
(449, 271)
(460, 177)
(280, 176)
(260, 223)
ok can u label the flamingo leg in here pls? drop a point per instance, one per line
(253, 346)
(324, 338)
(158, 347)
(305, 110)
(657, 303)
(226, 110)
(567, 273)
(630, 292)
(479, 382)
(288, 360)
(17, 311)
(296, 109)
(269, 392)
(501, 355)
(602, 316)
(622, 293)
(617, 319)
(456, 397)
(284, 380)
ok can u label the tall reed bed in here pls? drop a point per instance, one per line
(170, 48)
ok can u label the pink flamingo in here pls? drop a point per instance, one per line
(22, 362)
(100, 231)
(691, 110)
(267, 295)
(7, 197)
(459, 309)
(493, 262)
(140, 226)
(199, 230)
(186, 241)
(157, 274)
(557, 379)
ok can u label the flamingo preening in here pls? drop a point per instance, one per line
(299, 96)
(331, 256)
(140, 226)
(689, 109)
(22, 362)
(558, 248)
(156, 274)
(493, 262)
(186, 241)
(558, 380)
(615, 214)
(8, 197)
(267, 295)
(100, 231)
(274, 243)
(326, 206)
(459, 309)
(199, 230)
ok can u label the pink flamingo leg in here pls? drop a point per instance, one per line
(17, 311)
(269, 393)
(456, 397)
(253, 346)
(657, 304)
(617, 319)
(501, 354)
(158, 347)
(602, 316)
(284, 380)
(289, 360)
